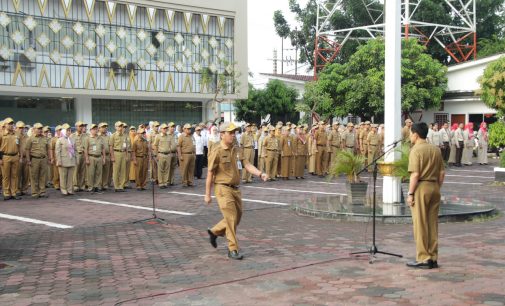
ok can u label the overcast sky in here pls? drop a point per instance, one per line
(263, 40)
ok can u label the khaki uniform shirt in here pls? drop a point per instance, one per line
(119, 142)
(373, 142)
(9, 143)
(348, 139)
(105, 141)
(363, 135)
(426, 159)
(37, 146)
(270, 143)
(52, 145)
(247, 141)
(140, 147)
(93, 145)
(321, 137)
(334, 140)
(78, 139)
(301, 147)
(165, 143)
(186, 144)
(286, 145)
(406, 134)
(223, 163)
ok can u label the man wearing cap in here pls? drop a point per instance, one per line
(80, 168)
(224, 163)
(94, 154)
(261, 157)
(130, 169)
(52, 145)
(140, 158)
(151, 136)
(406, 131)
(199, 150)
(321, 140)
(46, 132)
(286, 147)
(11, 156)
(349, 138)
(270, 149)
(65, 160)
(24, 170)
(373, 143)
(363, 134)
(186, 150)
(334, 140)
(165, 148)
(247, 144)
(118, 146)
(107, 166)
(37, 153)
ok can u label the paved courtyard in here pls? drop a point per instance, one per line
(86, 250)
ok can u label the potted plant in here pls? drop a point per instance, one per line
(350, 165)
(497, 142)
(401, 169)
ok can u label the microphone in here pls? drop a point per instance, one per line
(395, 142)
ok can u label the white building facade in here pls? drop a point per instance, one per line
(134, 61)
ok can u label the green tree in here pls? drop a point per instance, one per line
(282, 29)
(497, 134)
(492, 86)
(357, 87)
(315, 99)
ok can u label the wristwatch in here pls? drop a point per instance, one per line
(410, 194)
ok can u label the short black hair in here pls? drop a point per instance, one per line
(421, 129)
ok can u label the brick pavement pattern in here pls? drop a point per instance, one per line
(105, 259)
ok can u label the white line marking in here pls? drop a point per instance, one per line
(462, 183)
(137, 207)
(244, 200)
(484, 171)
(30, 220)
(295, 190)
(488, 177)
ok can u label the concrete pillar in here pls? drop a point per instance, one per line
(392, 185)
(83, 109)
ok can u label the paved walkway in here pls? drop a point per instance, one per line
(87, 251)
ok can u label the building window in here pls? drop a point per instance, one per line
(441, 118)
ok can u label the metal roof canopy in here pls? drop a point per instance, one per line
(458, 39)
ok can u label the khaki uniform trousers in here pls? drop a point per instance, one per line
(425, 220)
(287, 164)
(127, 173)
(56, 176)
(230, 204)
(94, 171)
(333, 155)
(261, 164)
(10, 169)
(188, 168)
(38, 175)
(155, 172)
(271, 163)
(106, 172)
(23, 177)
(119, 169)
(300, 162)
(79, 172)
(141, 171)
(66, 179)
(166, 168)
(248, 155)
(372, 154)
(321, 160)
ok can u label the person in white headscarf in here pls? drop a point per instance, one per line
(66, 160)
(213, 138)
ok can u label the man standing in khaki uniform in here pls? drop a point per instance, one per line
(118, 146)
(349, 138)
(334, 140)
(24, 170)
(373, 142)
(165, 150)
(261, 158)
(286, 148)
(94, 154)
(151, 136)
(321, 140)
(37, 153)
(80, 168)
(107, 166)
(127, 132)
(247, 144)
(10, 159)
(270, 149)
(140, 157)
(406, 131)
(224, 174)
(363, 135)
(130, 169)
(427, 173)
(56, 172)
(186, 150)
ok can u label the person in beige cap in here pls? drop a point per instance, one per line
(130, 169)
(373, 145)
(286, 147)
(270, 151)
(66, 160)
(223, 172)
(107, 166)
(165, 152)
(247, 145)
(321, 139)
(11, 156)
(186, 150)
(334, 140)
(94, 154)
(24, 170)
(151, 136)
(38, 152)
(406, 131)
(199, 141)
(118, 146)
(140, 158)
(301, 149)
(56, 174)
(363, 134)
(349, 138)
(46, 132)
(80, 169)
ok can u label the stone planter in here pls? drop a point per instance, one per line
(356, 193)
(499, 174)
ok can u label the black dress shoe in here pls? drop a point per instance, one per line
(421, 265)
(6, 198)
(235, 255)
(212, 238)
(16, 197)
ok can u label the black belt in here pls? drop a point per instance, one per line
(321, 145)
(433, 181)
(164, 153)
(272, 150)
(350, 147)
(229, 185)
(335, 146)
(37, 157)
(14, 154)
(373, 145)
(94, 155)
(119, 150)
(143, 156)
(248, 147)
(187, 152)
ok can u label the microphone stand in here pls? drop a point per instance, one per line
(154, 218)
(373, 249)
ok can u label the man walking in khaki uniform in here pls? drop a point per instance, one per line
(224, 174)
(118, 146)
(11, 156)
(80, 169)
(107, 166)
(56, 172)
(37, 153)
(427, 173)
(270, 149)
(24, 170)
(140, 158)
(94, 153)
(247, 144)
(186, 149)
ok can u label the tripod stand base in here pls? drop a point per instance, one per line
(373, 250)
(154, 218)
